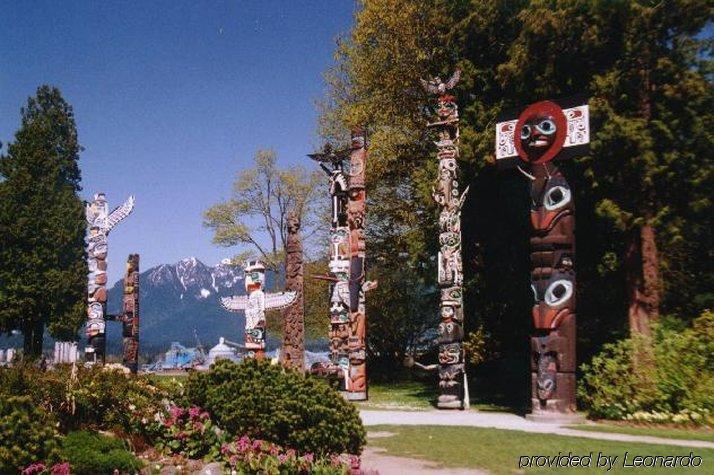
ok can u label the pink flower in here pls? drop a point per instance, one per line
(38, 467)
(274, 449)
(194, 412)
(243, 444)
(282, 458)
(176, 412)
(309, 457)
(257, 444)
(198, 426)
(61, 469)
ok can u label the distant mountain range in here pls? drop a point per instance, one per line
(179, 302)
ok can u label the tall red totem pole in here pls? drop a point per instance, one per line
(532, 141)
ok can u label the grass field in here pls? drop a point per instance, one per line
(412, 396)
(706, 434)
(498, 451)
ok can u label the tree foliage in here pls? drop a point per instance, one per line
(255, 216)
(42, 224)
(646, 71)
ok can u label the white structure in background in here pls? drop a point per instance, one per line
(223, 350)
(65, 352)
(6, 356)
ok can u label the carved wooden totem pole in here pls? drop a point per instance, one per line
(339, 265)
(100, 223)
(130, 317)
(453, 392)
(254, 305)
(358, 286)
(293, 353)
(542, 133)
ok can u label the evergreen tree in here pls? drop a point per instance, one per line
(42, 225)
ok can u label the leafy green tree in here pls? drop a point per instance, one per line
(42, 225)
(255, 216)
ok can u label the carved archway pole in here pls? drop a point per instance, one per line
(532, 141)
(453, 390)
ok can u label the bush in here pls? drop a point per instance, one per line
(93, 454)
(668, 378)
(249, 457)
(83, 397)
(264, 401)
(27, 434)
(187, 432)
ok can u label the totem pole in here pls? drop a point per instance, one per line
(293, 354)
(542, 133)
(101, 222)
(339, 265)
(130, 318)
(254, 305)
(453, 392)
(358, 286)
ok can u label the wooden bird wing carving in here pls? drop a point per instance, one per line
(119, 213)
(453, 80)
(236, 303)
(279, 300)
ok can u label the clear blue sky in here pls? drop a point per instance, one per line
(171, 99)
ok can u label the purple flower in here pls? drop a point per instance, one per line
(309, 457)
(257, 444)
(243, 444)
(282, 458)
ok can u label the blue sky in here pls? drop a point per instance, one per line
(171, 99)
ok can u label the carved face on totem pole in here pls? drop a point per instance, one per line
(254, 276)
(541, 132)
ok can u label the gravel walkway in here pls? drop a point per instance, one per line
(500, 420)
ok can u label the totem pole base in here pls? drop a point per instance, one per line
(450, 405)
(360, 396)
(559, 418)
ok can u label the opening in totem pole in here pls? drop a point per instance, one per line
(100, 223)
(254, 305)
(532, 141)
(293, 351)
(453, 388)
(339, 266)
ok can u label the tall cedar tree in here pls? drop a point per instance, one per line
(643, 206)
(42, 225)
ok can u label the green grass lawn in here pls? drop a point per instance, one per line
(412, 396)
(703, 433)
(498, 451)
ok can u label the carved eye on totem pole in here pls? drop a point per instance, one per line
(554, 299)
(546, 380)
(541, 129)
(450, 331)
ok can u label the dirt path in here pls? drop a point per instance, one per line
(499, 420)
(374, 458)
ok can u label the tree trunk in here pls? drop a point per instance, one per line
(32, 339)
(642, 269)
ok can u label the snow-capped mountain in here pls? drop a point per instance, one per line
(181, 301)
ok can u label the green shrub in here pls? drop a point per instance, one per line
(27, 434)
(91, 453)
(187, 432)
(668, 378)
(264, 401)
(94, 397)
